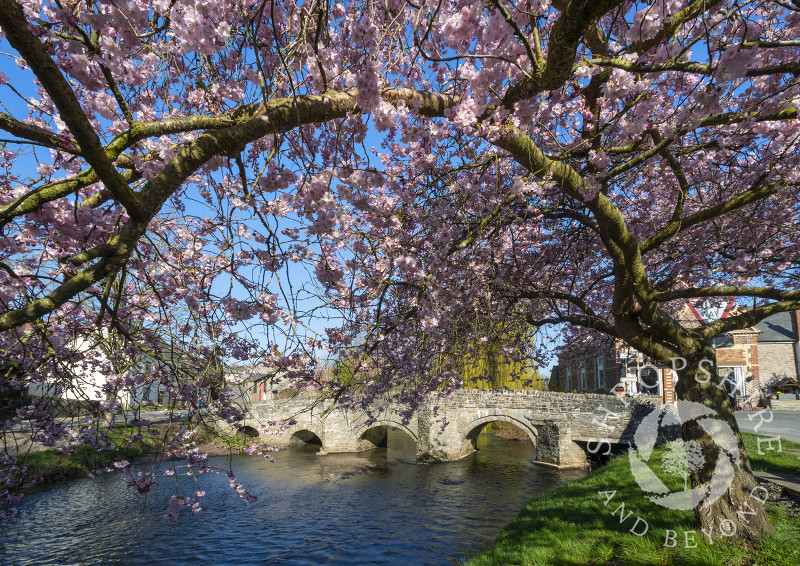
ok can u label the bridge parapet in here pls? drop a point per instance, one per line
(446, 427)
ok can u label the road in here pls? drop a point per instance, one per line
(785, 423)
(18, 437)
(153, 416)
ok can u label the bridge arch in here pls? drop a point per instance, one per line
(469, 432)
(247, 431)
(304, 435)
(375, 434)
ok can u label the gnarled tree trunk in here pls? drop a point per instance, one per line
(728, 502)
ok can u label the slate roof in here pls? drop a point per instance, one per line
(776, 328)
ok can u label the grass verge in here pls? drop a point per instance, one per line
(574, 524)
(52, 466)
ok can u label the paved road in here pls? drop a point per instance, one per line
(152, 416)
(784, 423)
(18, 438)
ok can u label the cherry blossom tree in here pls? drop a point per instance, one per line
(662, 168)
(442, 168)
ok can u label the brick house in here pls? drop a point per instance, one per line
(754, 359)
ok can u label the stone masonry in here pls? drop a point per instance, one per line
(779, 362)
(562, 426)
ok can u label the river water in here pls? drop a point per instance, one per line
(375, 507)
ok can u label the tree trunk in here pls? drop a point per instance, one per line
(728, 503)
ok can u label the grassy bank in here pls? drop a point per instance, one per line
(52, 466)
(573, 524)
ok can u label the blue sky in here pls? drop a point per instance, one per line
(299, 274)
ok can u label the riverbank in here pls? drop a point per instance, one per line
(573, 524)
(506, 431)
(49, 466)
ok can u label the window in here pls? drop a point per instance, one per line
(582, 377)
(722, 341)
(600, 373)
(735, 375)
(650, 381)
(566, 379)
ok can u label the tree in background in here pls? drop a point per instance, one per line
(485, 365)
(583, 162)
(491, 370)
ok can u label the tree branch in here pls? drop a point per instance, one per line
(15, 25)
(585, 321)
(747, 319)
(754, 194)
(277, 116)
(692, 67)
(562, 45)
(35, 134)
(728, 291)
(673, 24)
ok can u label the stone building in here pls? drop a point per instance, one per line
(754, 360)
(255, 384)
(778, 349)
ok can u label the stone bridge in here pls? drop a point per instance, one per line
(562, 426)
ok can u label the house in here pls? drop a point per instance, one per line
(778, 349)
(88, 385)
(91, 377)
(254, 384)
(754, 360)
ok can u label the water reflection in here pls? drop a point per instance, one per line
(401, 448)
(376, 507)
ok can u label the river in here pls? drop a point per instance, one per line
(375, 507)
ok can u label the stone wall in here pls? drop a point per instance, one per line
(776, 362)
(784, 405)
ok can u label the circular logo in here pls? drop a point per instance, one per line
(680, 459)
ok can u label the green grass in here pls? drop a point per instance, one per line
(50, 466)
(787, 460)
(572, 525)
